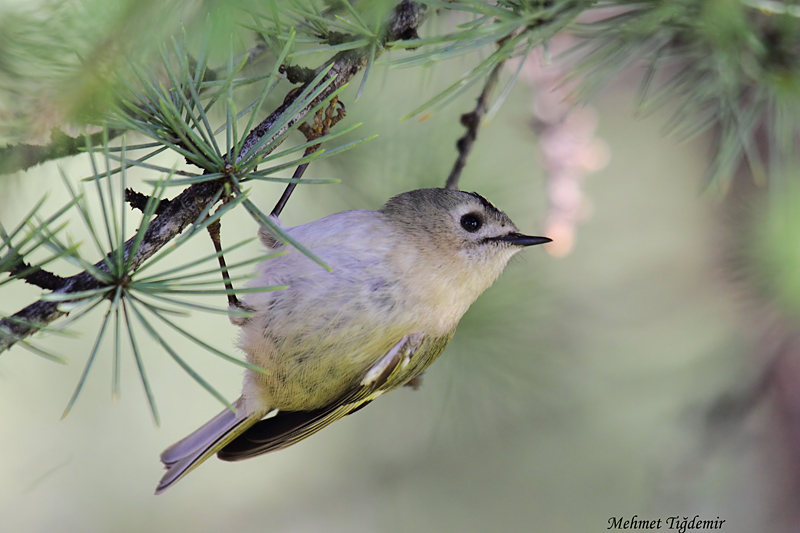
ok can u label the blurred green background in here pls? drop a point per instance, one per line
(575, 390)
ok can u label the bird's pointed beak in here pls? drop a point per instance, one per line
(518, 239)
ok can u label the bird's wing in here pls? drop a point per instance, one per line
(186, 454)
(288, 427)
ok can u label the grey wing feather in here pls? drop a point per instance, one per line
(289, 427)
(199, 438)
(186, 454)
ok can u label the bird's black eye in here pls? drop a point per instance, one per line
(471, 222)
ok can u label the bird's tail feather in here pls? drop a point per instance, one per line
(186, 454)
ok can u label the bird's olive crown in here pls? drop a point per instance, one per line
(456, 216)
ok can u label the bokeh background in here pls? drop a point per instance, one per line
(621, 375)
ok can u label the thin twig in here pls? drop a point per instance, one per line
(213, 231)
(287, 192)
(472, 122)
(319, 129)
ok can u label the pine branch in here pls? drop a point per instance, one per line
(406, 18)
(188, 205)
(16, 157)
(472, 121)
(182, 211)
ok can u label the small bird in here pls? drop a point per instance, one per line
(332, 342)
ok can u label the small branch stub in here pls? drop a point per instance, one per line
(38, 277)
(139, 201)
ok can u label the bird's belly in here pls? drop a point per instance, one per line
(317, 342)
(310, 370)
(295, 384)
